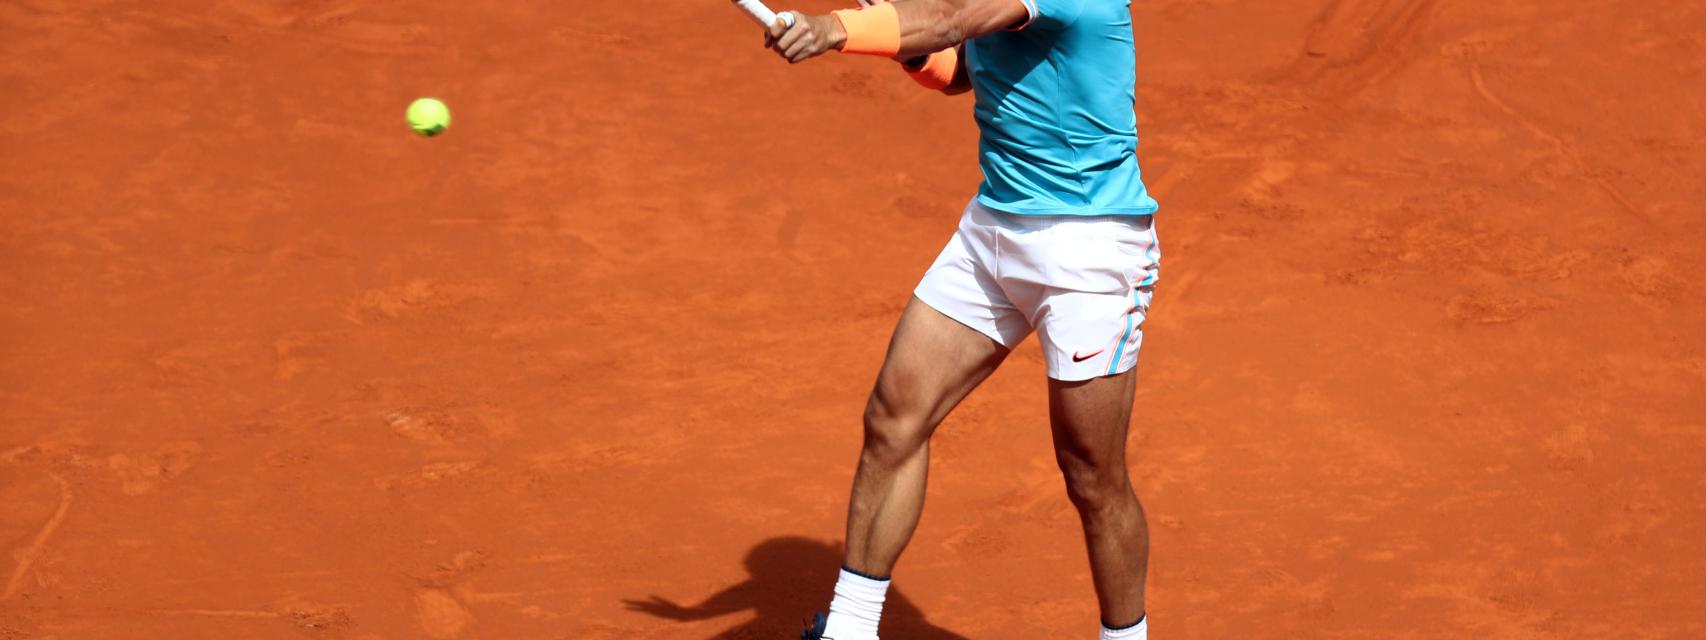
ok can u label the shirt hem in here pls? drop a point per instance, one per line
(1022, 210)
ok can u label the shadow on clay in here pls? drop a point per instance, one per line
(788, 579)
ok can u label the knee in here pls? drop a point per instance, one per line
(1093, 485)
(892, 434)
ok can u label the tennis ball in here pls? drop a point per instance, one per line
(428, 116)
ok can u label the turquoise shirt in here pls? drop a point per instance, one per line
(1055, 110)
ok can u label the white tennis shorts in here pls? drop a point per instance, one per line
(1082, 282)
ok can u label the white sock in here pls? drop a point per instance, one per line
(1139, 631)
(857, 607)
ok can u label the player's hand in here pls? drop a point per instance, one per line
(775, 31)
(811, 36)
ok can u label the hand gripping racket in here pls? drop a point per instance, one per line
(762, 14)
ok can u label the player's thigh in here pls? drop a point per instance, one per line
(933, 362)
(1090, 419)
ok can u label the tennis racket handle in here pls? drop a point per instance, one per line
(762, 14)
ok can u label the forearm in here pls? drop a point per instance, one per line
(901, 29)
(934, 25)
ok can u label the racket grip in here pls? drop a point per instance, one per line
(762, 14)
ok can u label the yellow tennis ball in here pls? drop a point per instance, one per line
(428, 116)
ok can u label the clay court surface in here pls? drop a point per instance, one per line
(1427, 357)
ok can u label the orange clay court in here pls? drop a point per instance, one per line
(1427, 359)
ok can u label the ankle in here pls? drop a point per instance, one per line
(1135, 631)
(857, 607)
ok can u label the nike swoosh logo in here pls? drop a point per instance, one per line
(1079, 358)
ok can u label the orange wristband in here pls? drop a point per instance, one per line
(938, 70)
(873, 30)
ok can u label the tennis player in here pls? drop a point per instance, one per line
(1060, 240)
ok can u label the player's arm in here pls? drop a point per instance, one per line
(903, 28)
(933, 25)
(943, 71)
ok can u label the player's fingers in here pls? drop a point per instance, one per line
(784, 22)
(792, 37)
(801, 50)
(807, 53)
(791, 48)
